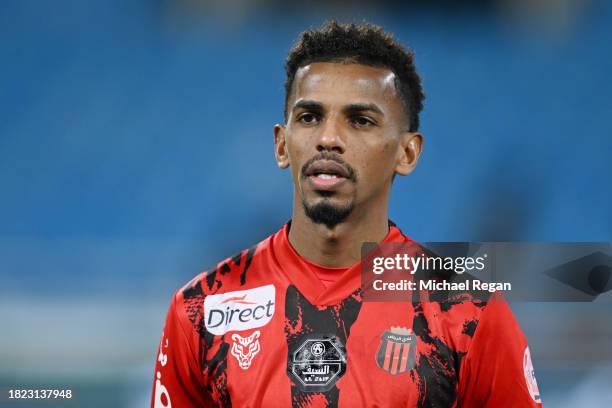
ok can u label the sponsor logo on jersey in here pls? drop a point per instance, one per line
(162, 396)
(317, 362)
(239, 310)
(245, 348)
(532, 384)
(396, 351)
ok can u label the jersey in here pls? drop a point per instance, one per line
(261, 330)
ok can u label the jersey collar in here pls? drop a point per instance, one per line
(299, 271)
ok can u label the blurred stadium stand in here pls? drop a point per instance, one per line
(136, 151)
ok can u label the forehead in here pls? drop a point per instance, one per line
(341, 83)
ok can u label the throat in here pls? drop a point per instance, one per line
(337, 247)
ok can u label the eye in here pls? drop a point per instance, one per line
(362, 121)
(308, 118)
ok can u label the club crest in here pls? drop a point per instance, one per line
(396, 353)
(245, 348)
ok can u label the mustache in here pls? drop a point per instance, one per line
(352, 174)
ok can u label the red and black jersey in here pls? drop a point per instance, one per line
(261, 329)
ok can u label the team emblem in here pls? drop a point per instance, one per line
(245, 348)
(317, 363)
(396, 353)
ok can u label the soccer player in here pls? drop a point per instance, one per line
(284, 323)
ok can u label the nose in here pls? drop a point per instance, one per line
(330, 137)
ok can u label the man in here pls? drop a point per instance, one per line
(284, 323)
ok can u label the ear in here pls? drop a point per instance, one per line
(280, 147)
(410, 147)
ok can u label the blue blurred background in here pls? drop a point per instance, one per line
(136, 151)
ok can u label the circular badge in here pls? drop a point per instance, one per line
(317, 348)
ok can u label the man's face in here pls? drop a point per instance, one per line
(344, 138)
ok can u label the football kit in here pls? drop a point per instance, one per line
(267, 328)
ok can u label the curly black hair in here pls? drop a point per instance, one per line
(365, 44)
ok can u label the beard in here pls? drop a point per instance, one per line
(324, 212)
(327, 213)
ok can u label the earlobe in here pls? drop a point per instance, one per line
(411, 145)
(280, 147)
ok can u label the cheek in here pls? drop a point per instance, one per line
(298, 144)
(389, 152)
(380, 158)
(296, 153)
(390, 145)
(292, 149)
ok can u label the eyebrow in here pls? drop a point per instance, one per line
(308, 105)
(363, 107)
(349, 109)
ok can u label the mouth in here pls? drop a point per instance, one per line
(327, 175)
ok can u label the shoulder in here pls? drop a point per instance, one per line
(230, 274)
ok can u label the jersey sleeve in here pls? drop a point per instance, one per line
(178, 380)
(497, 369)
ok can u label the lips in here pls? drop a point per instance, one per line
(327, 169)
(327, 175)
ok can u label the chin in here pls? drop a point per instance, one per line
(329, 199)
(328, 211)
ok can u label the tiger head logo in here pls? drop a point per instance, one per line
(245, 348)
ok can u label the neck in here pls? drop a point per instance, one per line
(339, 246)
